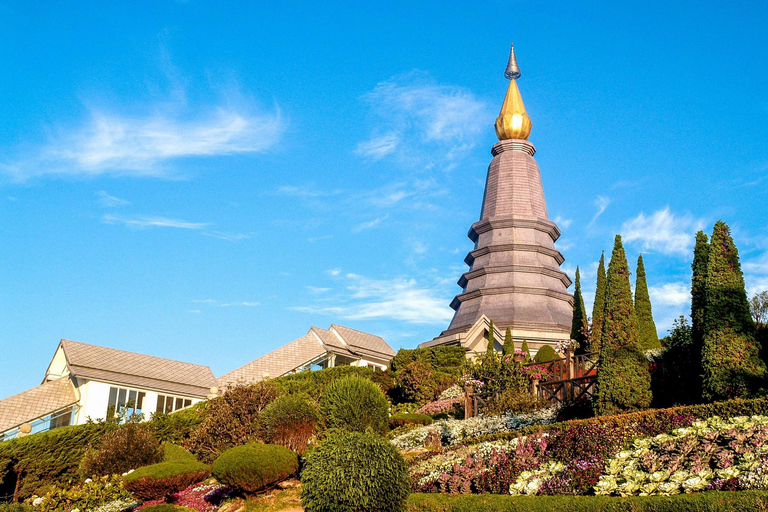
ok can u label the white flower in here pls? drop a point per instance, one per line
(37, 501)
(88, 480)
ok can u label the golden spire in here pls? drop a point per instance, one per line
(513, 121)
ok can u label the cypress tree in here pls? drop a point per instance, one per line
(649, 338)
(623, 379)
(730, 359)
(526, 351)
(491, 340)
(579, 323)
(598, 307)
(698, 293)
(509, 345)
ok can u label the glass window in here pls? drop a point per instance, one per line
(168, 404)
(124, 403)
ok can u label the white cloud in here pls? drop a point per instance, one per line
(145, 143)
(306, 191)
(756, 274)
(143, 221)
(204, 301)
(663, 232)
(670, 294)
(395, 299)
(415, 114)
(563, 223)
(243, 304)
(333, 272)
(601, 202)
(318, 289)
(108, 201)
(371, 224)
(229, 237)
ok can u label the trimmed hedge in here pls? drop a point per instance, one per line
(354, 471)
(314, 383)
(254, 467)
(175, 453)
(161, 480)
(729, 501)
(441, 359)
(409, 418)
(648, 421)
(545, 354)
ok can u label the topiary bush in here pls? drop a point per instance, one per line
(545, 354)
(231, 420)
(354, 404)
(406, 418)
(289, 421)
(129, 446)
(254, 467)
(173, 453)
(353, 471)
(162, 480)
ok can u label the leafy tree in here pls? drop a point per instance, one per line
(623, 379)
(579, 323)
(758, 306)
(680, 383)
(649, 338)
(509, 344)
(598, 307)
(730, 359)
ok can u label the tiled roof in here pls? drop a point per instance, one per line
(365, 343)
(278, 362)
(37, 402)
(139, 370)
(332, 343)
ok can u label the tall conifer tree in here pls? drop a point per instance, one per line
(509, 344)
(649, 338)
(579, 323)
(730, 360)
(491, 340)
(623, 379)
(698, 291)
(598, 307)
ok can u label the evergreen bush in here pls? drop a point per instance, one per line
(730, 359)
(579, 321)
(289, 421)
(623, 378)
(173, 453)
(254, 467)
(649, 337)
(526, 351)
(598, 307)
(441, 359)
(354, 404)
(231, 420)
(545, 354)
(355, 471)
(313, 384)
(410, 418)
(127, 447)
(164, 479)
(509, 344)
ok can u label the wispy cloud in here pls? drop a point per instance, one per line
(401, 299)
(229, 237)
(306, 191)
(663, 232)
(371, 224)
(143, 222)
(107, 201)
(564, 223)
(601, 203)
(756, 274)
(241, 304)
(415, 113)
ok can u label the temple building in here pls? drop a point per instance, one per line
(514, 275)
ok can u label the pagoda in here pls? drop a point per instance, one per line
(514, 275)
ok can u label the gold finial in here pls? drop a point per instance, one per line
(513, 121)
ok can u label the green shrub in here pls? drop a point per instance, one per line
(353, 471)
(416, 383)
(84, 495)
(127, 447)
(167, 507)
(545, 354)
(442, 359)
(398, 420)
(354, 404)
(164, 479)
(174, 453)
(178, 426)
(231, 420)
(313, 384)
(254, 467)
(289, 421)
(15, 507)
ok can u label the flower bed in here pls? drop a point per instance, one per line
(454, 432)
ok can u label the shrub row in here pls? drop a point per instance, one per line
(441, 359)
(648, 422)
(409, 418)
(743, 501)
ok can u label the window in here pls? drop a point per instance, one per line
(168, 404)
(124, 403)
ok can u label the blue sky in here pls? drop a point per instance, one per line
(206, 180)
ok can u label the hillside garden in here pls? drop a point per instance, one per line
(679, 423)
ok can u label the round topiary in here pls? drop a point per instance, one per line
(164, 479)
(353, 471)
(174, 453)
(354, 404)
(253, 467)
(289, 421)
(545, 354)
